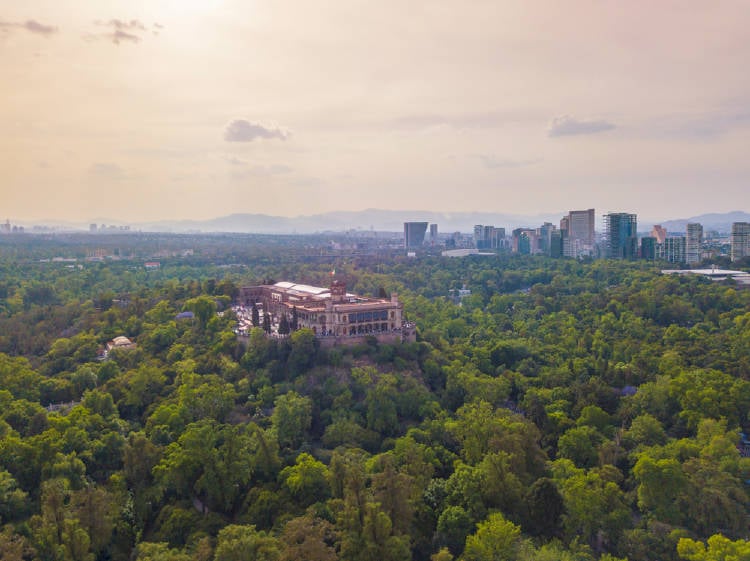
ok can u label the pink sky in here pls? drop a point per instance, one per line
(140, 110)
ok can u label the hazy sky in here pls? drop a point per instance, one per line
(139, 110)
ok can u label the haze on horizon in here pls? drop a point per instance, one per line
(177, 109)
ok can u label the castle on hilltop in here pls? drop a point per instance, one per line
(336, 316)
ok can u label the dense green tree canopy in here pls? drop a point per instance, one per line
(565, 410)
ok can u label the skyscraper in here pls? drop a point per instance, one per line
(578, 238)
(672, 250)
(620, 235)
(648, 247)
(659, 233)
(740, 240)
(414, 234)
(693, 243)
(433, 234)
(488, 237)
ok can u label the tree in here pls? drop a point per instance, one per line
(453, 525)
(595, 506)
(581, 444)
(308, 538)
(283, 325)
(12, 499)
(204, 308)
(307, 480)
(496, 539)
(266, 323)
(14, 547)
(291, 418)
(295, 319)
(660, 486)
(304, 350)
(718, 548)
(545, 509)
(245, 543)
(211, 462)
(255, 315)
(160, 552)
(95, 510)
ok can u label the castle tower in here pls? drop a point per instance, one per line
(338, 291)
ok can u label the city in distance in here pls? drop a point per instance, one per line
(374, 219)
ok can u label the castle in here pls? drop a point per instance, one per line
(336, 316)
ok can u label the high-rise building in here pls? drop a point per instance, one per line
(544, 238)
(414, 234)
(659, 233)
(740, 240)
(648, 247)
(620, 235)
(488, 237)
(556, 244)
(524, 241)
(433, 234)
(672, 250)
(478, 234)
(578, 236)
(693, 243)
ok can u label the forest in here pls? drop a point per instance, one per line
(564, 410)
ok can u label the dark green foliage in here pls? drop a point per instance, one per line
(565, 410)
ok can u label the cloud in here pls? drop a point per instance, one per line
(569, 126)
(30, 25)
(133, 24)
(108, 171)
(707, 126)
(129, 31)
(278, 169)
(240, 130)
(491, 162)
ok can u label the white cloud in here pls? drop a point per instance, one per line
(240, 130)
(30, 25)
(108, 171)
(566, 125)
(122, 31)
(492, 162)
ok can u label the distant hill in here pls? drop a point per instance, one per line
(721, 222)
(386, 221)
(376, 219)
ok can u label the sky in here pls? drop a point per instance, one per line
(173, 109)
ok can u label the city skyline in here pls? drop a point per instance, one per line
(197, 109)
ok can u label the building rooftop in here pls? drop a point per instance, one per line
(740, 277)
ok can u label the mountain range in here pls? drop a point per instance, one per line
(393, 221)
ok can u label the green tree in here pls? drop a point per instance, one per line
(304, 351)
(545, 509)
(12, 499)
(283, 325)
(245, 543)
(718, 548)
(211, 462)
(255, 315)
(307, 480)
(496, 539)
(204, 308)
(266, 323)
(147, 551)
(291, 418)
